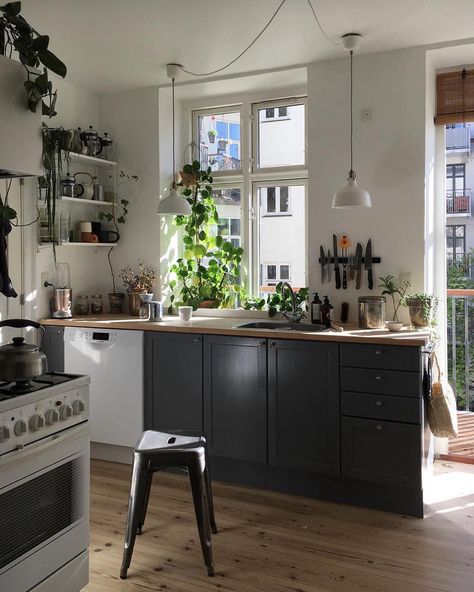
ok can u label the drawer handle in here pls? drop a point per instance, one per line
(197, 340)
(378, 377)
(379, 403)
(263, 343)
(378, 352)
(379, 427)
(272, 344)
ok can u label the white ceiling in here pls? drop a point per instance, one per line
(115, 45)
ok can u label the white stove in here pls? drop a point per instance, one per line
(44, 484)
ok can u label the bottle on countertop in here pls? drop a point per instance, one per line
(326, 308)
(316, 309)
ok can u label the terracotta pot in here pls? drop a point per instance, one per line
(208, 304)
(116, 302)
(417, 312)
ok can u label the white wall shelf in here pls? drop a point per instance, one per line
(89, 202)
(90, 160)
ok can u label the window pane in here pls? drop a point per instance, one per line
(283, 112)
(271, 199)
(271, 272)
(219, 141)
(282, 143)
(269, 113)
(284, 202)
(228, 207)
(281, 239)
(235, 226)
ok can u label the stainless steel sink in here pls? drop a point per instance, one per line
(282, 326)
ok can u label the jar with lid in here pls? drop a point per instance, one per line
(82, 305)
(97, 305)
(372, 312)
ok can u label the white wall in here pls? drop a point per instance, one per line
(131, 118)
(389, 158)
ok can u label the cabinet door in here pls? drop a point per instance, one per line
(235, 397)
(53, 348)
(381, 451)
(303, 399)
(173, 381)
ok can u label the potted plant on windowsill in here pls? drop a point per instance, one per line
(222, 144)
(208, 273)
(422, 309)
(211, 134)
(137, 282)
(397, 294)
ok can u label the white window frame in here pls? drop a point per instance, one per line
(256, 107)
(196, 114)
(276, 117)
(278, 265)
(277, 211)
(254, 266)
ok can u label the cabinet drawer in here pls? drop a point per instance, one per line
(390, 357)
(373, 406)
(381, 451)
(383, 382)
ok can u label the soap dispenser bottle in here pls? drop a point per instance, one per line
(326, 312)
(316, 309)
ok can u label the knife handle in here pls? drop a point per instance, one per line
(337, 273)
(370, 279)
(358, 277)
(344, 279)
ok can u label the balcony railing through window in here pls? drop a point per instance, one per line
(458, 138)
(458, 203)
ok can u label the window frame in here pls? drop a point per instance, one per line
(255, 149)
(278, 211)
(209, 112)
(454, 239)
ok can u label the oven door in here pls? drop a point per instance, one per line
(44, 508)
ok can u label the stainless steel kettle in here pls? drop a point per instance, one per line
(20, 361)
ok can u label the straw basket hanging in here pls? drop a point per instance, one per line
(441, 407)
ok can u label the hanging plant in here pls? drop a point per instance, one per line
(16, 34)
(208, 273)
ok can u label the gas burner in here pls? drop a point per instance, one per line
(22, 387)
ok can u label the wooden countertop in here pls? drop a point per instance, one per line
(215, 325)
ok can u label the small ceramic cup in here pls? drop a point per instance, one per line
(393, 326)
(185, 313)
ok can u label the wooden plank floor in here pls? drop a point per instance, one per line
(270, 542)
(462, 447)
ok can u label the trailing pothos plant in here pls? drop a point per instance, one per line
(16, 34)
(209, 271)
(279, 301)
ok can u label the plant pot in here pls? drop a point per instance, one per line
(393, 326)
(222, 144)
(116, 302)
(212, 138)
(418, 315)
(134, 303)
(208, 304)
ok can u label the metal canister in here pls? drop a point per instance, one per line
(372, 312)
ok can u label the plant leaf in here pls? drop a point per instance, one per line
(53, 63)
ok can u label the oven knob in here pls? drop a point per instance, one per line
(36, 422)
(19, 428)
(51, 416)
(4, 433)
(65, 412)
(78, 407)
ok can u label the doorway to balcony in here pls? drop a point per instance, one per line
(460, 283)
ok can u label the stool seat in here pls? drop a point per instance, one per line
(154, 452)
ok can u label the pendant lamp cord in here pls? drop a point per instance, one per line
(352, 125)
(174, 139)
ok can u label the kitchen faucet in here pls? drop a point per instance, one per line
(296, 314)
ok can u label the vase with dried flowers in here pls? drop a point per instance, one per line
(137, 281)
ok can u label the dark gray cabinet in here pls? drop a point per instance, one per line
(303, 400)
(173, 381)
(235, 397)
(53, 347)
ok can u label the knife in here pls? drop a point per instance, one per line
(337, 271)
(368, 264)
(358, 264)
(328, 261)
(322, 260)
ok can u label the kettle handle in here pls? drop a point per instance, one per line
(22, 323)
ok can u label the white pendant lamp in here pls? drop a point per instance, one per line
(173, 204)
(351, 195)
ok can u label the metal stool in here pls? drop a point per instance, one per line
(159, 450)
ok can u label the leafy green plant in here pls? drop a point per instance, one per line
(209, 269)
(279, 301)
(422, 306)
(397, 294)
(16, 34)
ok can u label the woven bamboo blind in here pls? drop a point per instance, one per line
(455, 97)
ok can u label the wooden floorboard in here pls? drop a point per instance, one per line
(270, 542)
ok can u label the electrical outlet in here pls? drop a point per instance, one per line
(44, 278)
(366, 114)
(405, 277)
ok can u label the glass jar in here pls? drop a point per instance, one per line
(97, 305)
(82, 305)
(372, 312)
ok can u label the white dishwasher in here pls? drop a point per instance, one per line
(114, 361)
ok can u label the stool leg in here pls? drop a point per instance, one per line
(210, 499)
(135, 504)
(146, 499)
(201, 507)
